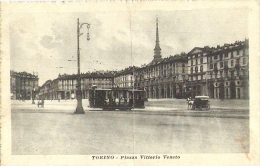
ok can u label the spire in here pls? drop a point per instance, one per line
(157, 49)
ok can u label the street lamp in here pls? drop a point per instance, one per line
(33, 90)
(79, 108)
(33, 94)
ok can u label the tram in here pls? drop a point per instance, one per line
(116, 98)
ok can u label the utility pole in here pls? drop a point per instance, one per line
(79, 108)
(33, 90)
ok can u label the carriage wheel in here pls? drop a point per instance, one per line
(207, 107)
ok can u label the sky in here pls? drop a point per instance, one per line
(46, 43)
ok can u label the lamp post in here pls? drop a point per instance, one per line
(79, 108)
(33, 94)
(207, 89)
(33, 90)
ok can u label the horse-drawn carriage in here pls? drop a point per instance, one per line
(199, 102)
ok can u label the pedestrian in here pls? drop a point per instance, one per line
(39, 103)
(42, 103)
(189, 102)
(221, 96)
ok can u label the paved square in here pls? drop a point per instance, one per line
(166, 128)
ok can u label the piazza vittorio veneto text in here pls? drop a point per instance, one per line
(135, 157)
(220, 72)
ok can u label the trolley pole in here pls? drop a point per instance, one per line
(79, 108)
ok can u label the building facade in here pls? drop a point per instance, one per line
(23, 85)
(221, 72)
(125, 78)
(65, 86)
(164, 79)
(198, 71)
(229, 71)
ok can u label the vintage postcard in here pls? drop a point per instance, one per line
(130, 83)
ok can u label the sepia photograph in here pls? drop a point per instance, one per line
(129, 84)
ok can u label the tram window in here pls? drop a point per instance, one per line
(124, 94)
(130, 95)
(117, 94)
(120, 94)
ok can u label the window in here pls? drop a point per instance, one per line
(226, 55)
(215, 56)
(221, 74)
(232, 74)
(216, 73)
(192, 62)
(243, 72)
(237, 61)
(201, 60)
(237, 52)
(244, 52)
(196, 69)
(238, 73)
(226, 73)
(232, 56)
(221, 56)
(226, 64)
(211, 66)
(232, 62)
(215, 66)
(221, 64)
(196, 61)
(201, 68)
(244, 61)
(191, 70)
